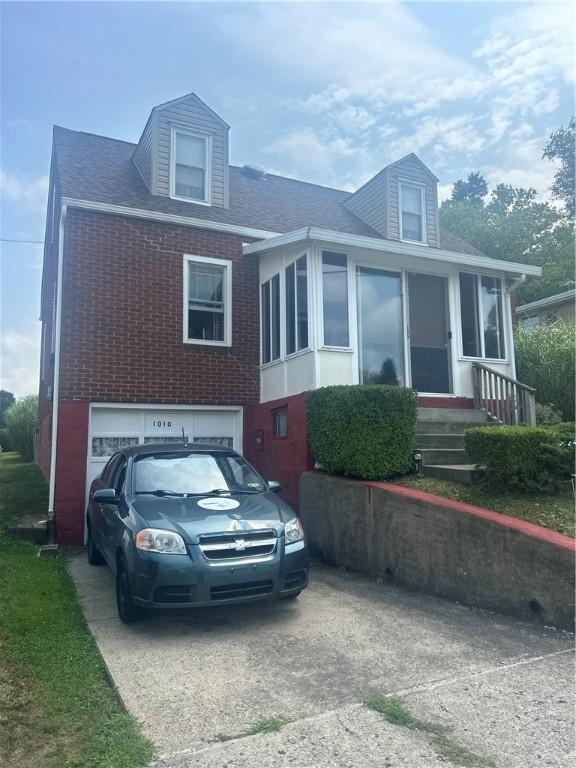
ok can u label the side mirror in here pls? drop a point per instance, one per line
(274, 486)
(105, 496)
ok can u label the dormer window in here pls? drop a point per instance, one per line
(190, 167)
(412, 212)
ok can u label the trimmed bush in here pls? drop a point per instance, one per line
(365, 431)
(526, 459)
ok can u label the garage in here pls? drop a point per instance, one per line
(114, 427)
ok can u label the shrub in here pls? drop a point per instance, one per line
(547, 415)
(365, 431)
(21, 418)
(545, 358)
(529, 459)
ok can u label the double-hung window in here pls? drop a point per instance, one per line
(190, 169)
(412, 215)
(297, 306)
(270, 316)
(207, 301)
(482, 316)
(335, 299)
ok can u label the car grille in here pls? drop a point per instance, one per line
(238, 545)
(247, 589)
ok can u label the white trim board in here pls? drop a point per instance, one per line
(376, 244)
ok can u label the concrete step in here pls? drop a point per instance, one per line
(445, 427)
(442, 440)
(464, 474)
(432, 456)
(457, 415)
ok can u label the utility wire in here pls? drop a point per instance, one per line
(8, 240)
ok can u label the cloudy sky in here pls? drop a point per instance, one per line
(327, 92)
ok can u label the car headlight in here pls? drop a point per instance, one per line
(293, 531)
(157, 540)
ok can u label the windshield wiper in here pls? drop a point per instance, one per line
(161, 492)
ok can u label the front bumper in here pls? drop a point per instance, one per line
(192, 581)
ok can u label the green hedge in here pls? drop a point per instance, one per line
(365, 431)
(526, 459)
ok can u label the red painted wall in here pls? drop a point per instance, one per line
(71, 455)
(280, 458)
(446, 402)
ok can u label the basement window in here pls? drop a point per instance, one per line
(190, 167)
(281, 422)
(207, 301)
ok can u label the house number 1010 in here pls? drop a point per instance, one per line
(161, 423)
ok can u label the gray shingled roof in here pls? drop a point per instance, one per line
(100, 169)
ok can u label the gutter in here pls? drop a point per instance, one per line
(50, 524)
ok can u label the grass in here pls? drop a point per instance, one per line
(549, 511)
(269, 725)
(394, 711)
(57, 707)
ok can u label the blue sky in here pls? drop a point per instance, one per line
(327, 92)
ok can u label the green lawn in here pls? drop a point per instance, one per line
(550, 511)
(57, 708)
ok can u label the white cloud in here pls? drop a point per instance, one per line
(20, 360)
(28, 191)
(443, 135)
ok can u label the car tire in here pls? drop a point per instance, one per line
(92, 551)
(293, 596)
(128, 611)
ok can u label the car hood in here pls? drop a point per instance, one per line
(191, 518)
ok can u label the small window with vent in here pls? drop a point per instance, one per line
(281, 422)
(190, 167)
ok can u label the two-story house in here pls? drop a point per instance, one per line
(185, 297)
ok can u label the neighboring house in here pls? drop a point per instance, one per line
(182, 296)
(547, 311)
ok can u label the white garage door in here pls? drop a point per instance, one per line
(114, 428)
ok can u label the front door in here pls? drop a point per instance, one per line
(429, 333)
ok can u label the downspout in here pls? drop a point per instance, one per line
(50, 523)
(515, 284)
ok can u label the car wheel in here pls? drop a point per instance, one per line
(293, 596)
(94, 554)
(128, 611)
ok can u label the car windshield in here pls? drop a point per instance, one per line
(195, 473)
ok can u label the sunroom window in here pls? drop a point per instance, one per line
(190, 166)
(335, 299)
(208, 295)
(296, 306)
(412, 212)
(270, 319)
(482, 316)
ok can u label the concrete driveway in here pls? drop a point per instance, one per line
(498, 692)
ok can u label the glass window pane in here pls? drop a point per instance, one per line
(335, 299)
(491, 293)
(411, 199)
(302, 296)
(281, 423)
(206, 324)
(228, 442)
(469, 315)
(265, 322)
(380, 325)
(190, 182)
(160, 439)
(106, 446)
(275, 298)
(411, 226)
(190, 150)
(205, 284)
(290, 310)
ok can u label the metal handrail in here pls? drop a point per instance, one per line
(503, 399)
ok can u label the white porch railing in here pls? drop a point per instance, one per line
(503, 399)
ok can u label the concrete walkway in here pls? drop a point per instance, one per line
(199, 681)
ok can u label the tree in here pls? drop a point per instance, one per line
(561, 146)
(473, 190)
(21, 418)
(6, 400)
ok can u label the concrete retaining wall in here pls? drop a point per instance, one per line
(458, 551)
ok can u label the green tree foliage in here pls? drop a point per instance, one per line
(561, 146)
(6, 400)
(545, 359)
(473, 190)
(21, 418)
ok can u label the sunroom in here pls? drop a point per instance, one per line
(337, 308)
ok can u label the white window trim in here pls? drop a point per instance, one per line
(227, 264)
(422, 188)
(505, 320)
(207, 139)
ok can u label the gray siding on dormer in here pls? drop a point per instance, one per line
(411, 170)
(192, 115)
(143, 157)
(369, 203)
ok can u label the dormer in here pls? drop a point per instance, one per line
(183, 153)
(400, 202)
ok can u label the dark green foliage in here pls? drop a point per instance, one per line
(561, 146)
(363, 431)
(21, 418)
(545, 359)
(528, 459)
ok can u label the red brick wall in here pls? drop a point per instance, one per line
(280, 458)
(71, 456)
(122, 315)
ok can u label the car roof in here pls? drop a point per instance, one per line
(150, 448)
